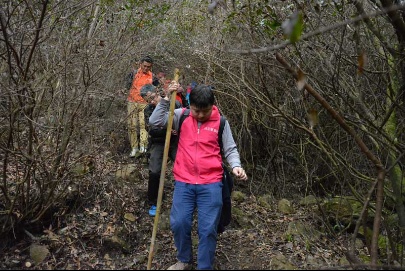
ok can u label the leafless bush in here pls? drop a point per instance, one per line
(61, 79)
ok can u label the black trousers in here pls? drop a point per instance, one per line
(155, 167)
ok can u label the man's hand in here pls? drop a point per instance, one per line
(239, 173)
(173, 87)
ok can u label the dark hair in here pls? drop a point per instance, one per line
(147, 59)
(202, 96)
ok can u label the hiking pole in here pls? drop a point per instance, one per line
(164, 166)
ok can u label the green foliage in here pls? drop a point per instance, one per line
(135, 3)
(229, 25)
(308, 245)
(289, 237)
(259, 16)
(274, 25)
(338, 6)
(145, 16)
(107, 2)
(297, 29)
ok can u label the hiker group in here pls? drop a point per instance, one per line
(200, 139)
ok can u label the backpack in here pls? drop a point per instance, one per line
(128, 80)
(227, 180)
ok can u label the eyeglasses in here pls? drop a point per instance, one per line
(150, 98)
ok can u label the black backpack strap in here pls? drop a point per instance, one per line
(184, 115)
(227, 181)
(221, 131)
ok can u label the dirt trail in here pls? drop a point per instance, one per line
(111, 229)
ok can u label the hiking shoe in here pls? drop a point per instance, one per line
(180, 266)
(152, 210)
(142, 149)
(133, 152)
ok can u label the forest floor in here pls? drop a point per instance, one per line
(112, 230)
(107, 226)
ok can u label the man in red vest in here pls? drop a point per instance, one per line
(198, 173)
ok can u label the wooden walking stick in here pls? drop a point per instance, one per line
(164, 166)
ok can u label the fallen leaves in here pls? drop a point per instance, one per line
(130, 217)
(38, 253)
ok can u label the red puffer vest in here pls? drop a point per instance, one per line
(198, 158)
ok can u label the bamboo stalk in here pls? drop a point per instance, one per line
(163, 172)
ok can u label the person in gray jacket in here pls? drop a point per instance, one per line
(156, 146)
(198, 173)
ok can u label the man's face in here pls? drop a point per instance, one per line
(146, 67)
(201, 114)
(161, 76)
(151, 98)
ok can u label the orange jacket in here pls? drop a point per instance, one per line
(140, 79)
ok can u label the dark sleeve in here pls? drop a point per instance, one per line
(185, 102)
(177, 104)
(128, 80)
(147, 113)
(155, 80)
